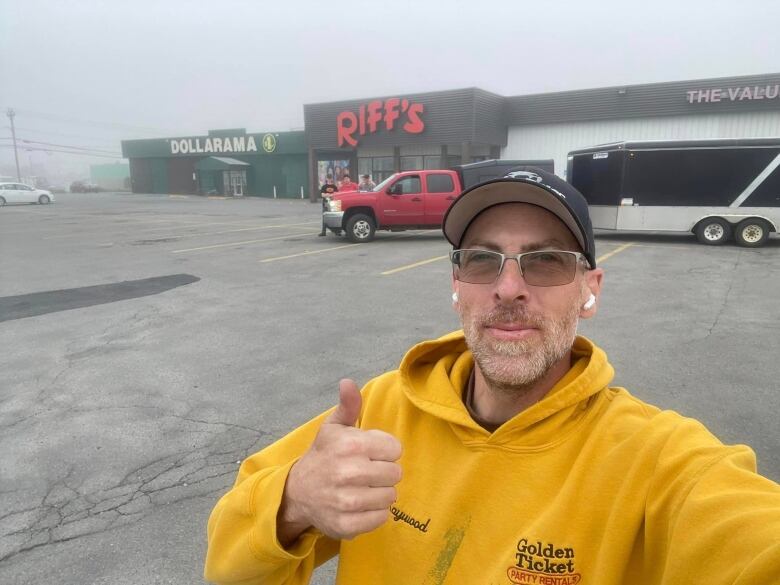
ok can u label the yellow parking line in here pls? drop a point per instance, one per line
(228, 244)
(307, 253)
(415, 265)
(603, 257)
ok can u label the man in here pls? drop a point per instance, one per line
(347, 184)
(366, 184)
(326, 192)
(500, 454)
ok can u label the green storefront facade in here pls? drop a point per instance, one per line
(228, 162)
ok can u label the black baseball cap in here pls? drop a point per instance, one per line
(524, 185)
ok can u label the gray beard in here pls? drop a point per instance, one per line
(514, 367)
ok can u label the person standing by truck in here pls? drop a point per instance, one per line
(366, 184)
(347, 184)
(326, 191)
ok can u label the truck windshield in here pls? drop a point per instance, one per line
(383, 185)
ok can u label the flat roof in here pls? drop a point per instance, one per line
(702, 143)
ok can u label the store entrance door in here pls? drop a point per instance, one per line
(238, 187)
(235, 183)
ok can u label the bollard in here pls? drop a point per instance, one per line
(274, 191)
(301, 191)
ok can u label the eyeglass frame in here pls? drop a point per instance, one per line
(580, 258)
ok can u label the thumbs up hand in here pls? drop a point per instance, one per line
(345, 483)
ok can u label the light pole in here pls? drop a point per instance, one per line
(10, 113)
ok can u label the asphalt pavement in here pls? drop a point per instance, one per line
(150, 343)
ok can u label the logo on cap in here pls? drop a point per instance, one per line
(531, 176)
(524, 175)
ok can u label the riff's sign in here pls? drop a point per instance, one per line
(377, 115)
(733, 94)
(214, 144)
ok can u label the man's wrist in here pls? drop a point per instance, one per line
(291, 521)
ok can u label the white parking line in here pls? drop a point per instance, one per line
(229, 244)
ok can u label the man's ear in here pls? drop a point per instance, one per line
(591, 286)
(455, 293)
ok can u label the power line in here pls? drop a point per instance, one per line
(68, 134)
(41, 149)
(56, 118)
(69, 146)
(99, 150)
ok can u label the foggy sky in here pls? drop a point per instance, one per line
(91, 73)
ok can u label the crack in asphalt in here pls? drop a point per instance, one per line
(64, 513)
(722, 308)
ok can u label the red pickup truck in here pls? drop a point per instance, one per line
(410, 199)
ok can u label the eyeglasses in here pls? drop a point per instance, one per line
(538, 268)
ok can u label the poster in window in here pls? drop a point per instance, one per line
(335, 169)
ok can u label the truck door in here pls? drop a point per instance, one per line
(440, 193)
(403, 202)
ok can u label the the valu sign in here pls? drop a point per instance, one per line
(377, 115)
(733, 94)
(215, 144)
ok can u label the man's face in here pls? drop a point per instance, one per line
(516, 331)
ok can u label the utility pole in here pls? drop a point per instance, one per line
(10, 113)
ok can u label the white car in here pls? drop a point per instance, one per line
(19, 193)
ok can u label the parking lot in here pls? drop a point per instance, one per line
(125, 407)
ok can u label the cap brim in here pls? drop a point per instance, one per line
(474, 201)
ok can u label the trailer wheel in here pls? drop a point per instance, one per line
(713, 231)
(360, 228)
(752, 232)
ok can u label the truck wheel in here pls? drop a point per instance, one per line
(752, 232)
(713, 231)
(360, 228)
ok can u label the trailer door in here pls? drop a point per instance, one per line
(599, 177)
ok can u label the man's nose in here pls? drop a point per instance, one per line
(510, 284)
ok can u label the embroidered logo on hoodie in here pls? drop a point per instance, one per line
(540, 563)
(404, 517)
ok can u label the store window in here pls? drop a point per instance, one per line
(432, 162)
(378, 167)
(411, 163)
(453, 160)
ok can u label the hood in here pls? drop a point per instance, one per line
(340, 194)
(435, 373)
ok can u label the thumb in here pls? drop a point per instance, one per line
(350, 402)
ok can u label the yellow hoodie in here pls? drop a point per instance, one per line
(589, 485)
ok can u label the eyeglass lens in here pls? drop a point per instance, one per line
(544, 268)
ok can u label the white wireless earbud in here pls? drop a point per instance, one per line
(590, 302)
(454, 297)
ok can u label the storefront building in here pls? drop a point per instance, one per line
(224, 162)
(551, 125)
(432, 130)
(380, 136)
